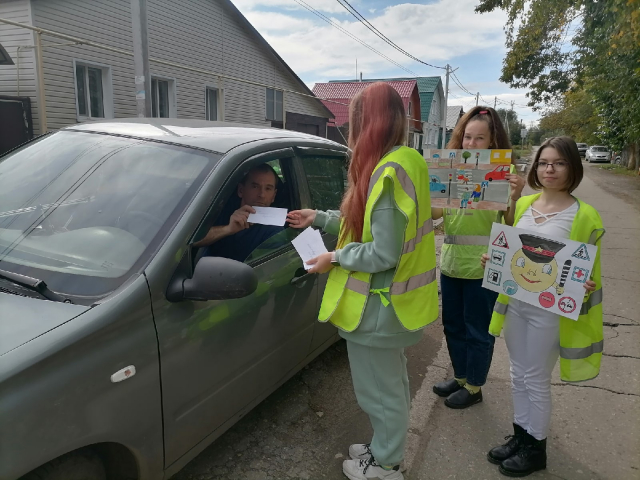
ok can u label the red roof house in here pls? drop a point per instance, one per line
(336, 96)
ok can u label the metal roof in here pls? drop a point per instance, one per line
(343, 92)
(453, 115)
(426, 88)
(214, 136)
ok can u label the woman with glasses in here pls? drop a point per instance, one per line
(535, 337)
(466, 306)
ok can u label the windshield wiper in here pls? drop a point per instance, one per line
(34, 284)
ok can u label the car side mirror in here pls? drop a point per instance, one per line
(214, 278)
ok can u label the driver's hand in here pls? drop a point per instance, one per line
(301, 218)
(238, 220)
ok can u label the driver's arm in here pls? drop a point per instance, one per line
(237, 222)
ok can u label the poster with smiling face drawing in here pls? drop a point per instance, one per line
(547, 272)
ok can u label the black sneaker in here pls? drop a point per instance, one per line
(446, 388)
(463, 398)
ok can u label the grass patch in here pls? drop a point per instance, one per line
(619, 170)
(521, 153)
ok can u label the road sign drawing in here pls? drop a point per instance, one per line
(581, 253)
(580, 274)
(497, 257)
(539, 270)
(501, 241)
(494, 276)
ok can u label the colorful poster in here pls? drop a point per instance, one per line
(469, 179)
(546, 272)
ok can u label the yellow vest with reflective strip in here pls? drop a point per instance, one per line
(581, 341)
(413, 290)
(466, 237)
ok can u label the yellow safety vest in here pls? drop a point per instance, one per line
(466, 237)
(581, 341)
(413, 291)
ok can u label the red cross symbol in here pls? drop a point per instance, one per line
(579, 273)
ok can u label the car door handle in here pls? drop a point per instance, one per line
(301, 278)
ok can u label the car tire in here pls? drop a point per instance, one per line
(490, 179)
(80, 465)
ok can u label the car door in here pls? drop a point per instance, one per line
(219, 358)
(326, 175)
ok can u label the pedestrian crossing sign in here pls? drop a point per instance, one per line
(582, 253)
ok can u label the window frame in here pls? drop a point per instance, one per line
(275, 103)
(107, 89)
(171, 95)
(219, 105)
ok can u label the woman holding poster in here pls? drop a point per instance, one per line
(382, 290)
(536, 337)
(466, 306)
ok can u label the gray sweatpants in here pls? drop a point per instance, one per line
(381, 384)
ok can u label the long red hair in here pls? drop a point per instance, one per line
(377, 123)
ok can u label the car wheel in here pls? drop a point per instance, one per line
(443, 191)
(80, 465)
(490, 179)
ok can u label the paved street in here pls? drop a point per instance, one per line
(303, 430)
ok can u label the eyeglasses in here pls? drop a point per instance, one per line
(558, 166)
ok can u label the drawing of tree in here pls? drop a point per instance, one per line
(466, 155)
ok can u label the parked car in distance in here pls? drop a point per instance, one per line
(498, 173)
(597, 153)
(435, 185)
(124, 351)
(582, 148)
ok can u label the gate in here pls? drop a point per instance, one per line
(16, 124)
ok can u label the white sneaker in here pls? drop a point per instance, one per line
(369, 469)
(360, 451)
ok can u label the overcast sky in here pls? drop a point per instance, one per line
(435, 31)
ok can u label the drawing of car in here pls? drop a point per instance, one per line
(436, 185)
(498, 173)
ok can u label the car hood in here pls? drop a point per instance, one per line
(23, 319)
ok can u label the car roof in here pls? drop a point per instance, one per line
(218, 137)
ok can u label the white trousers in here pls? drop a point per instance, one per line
(533, 340)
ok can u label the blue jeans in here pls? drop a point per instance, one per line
(466, 314)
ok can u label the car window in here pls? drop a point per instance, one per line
(258, 240)
(327, 179)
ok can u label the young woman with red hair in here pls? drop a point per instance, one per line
(382, 289)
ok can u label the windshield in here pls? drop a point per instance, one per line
(599, 149)
(84, 211)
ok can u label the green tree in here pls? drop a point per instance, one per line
(512, 124)
(575, 116)
(602, 58)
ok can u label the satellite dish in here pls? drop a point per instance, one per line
(5, 59)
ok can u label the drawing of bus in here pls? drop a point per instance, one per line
(435, 185)
(498, 173)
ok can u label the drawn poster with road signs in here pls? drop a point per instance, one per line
(469, 179)
(547, 272)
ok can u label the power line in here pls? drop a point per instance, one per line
(349, 8)
(349, 34)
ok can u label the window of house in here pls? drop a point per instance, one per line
(274, 105)
(90, 91)
(327, 178)
(161, 91)
(212, 99)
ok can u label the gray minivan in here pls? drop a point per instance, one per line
(123, 351)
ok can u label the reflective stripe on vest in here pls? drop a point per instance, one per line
(424, 230)
(357, 286)
(594, 299)
(404, 179)
(580, 353)
(501, 308)
(417, 281)
(467, 240)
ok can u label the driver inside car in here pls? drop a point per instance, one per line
(234, 237)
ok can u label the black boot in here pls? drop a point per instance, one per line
(531, 457)
(498, 454)
(446, 388)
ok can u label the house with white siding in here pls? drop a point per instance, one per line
(240, 78)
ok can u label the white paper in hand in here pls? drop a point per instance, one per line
(309, 245)
(268, 216)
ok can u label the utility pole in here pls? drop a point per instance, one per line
(495, 102)
(446, 103)
(141, 57)
(477, 97)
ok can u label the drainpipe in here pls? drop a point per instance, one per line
(42, 102)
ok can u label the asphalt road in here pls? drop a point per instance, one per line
(304, 429)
